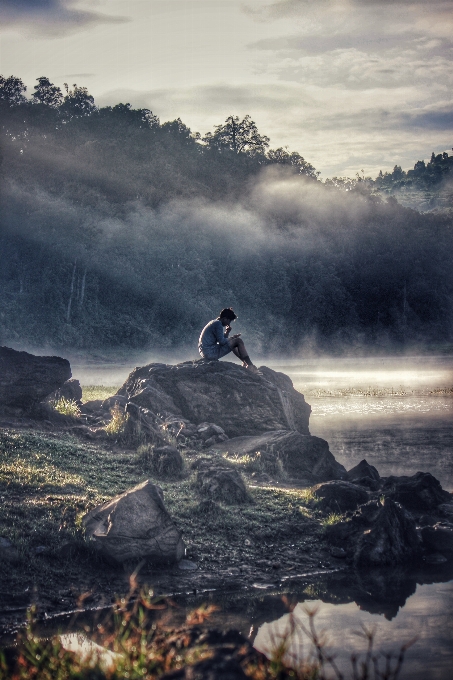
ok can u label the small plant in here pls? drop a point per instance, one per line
(331, 519)
(118, 421)
(67, 407)
(163, 461)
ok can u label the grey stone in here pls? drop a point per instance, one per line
(302, 456)
(364, 474)
(133, 526)
(339, 553)
(239, 402)
(71, 390)
(224, 485)
(339, 496)
(26, 379)
(166, 460)
(111, 402)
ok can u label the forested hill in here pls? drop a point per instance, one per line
(120, 231)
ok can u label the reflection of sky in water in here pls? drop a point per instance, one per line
(427, 615)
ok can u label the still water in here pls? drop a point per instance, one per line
(398, 414)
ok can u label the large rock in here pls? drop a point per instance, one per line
(220, 392)
(392, 539)
(339, 496)
(420, 493)
(133, 526)
(302, 456)
(71, 390)
(377, 535)
(25, 379)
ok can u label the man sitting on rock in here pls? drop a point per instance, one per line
(214, 342)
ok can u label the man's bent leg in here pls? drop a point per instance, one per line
(238, 348)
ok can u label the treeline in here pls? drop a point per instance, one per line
(120, 231)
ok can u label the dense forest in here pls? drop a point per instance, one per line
(118, 231)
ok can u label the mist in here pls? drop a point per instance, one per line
(127, 238)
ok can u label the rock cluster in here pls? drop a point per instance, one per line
(385, 520)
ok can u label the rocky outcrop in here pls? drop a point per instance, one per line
(134, 526)
(339, 496)
(420, 493)
(303, 457)
(26, 380)
(220, 392)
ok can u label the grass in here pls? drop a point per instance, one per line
(67, 407)
(49, 481)
(93, 392)
(118, 421)
(331, 519)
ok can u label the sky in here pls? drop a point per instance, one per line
(349, 84)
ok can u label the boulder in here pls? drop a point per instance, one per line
(26, 380)
(420, 493)
(438, 538)
(134, 526)
(364, 474)
(339, 496)
(377, 535)
(225, 485)
(166, 460)
(140, 426)
(239, 402)
(392, 539)
(71, 390)
(302, 456)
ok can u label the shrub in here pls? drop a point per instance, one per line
(118, 421)
(67, 407)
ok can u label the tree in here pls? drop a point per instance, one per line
(239, 136)
(47, 93)
(78, 102)
(294, 159)
(11, 90)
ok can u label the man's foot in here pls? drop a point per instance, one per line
(253, 369)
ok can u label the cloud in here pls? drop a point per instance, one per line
(52, 18)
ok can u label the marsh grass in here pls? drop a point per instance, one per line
(118, 421)
(93, 392)
(67, 407)
(331, 519)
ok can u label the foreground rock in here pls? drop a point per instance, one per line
(134, 526)
(302, 456)
(25, 379)
(220, 392)
(364, 474)
(377, 534)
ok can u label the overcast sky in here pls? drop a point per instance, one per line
(350, 84)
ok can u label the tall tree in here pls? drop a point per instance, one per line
(47, 93)
(11, 90)
(78, 102)
(239, 136)
(292, 158)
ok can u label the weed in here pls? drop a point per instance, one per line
(331, 519)
(161, 461)
(67, 407)
(118, 421)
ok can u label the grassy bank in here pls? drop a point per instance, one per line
(48, 481)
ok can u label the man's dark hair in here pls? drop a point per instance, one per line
(227, 313)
